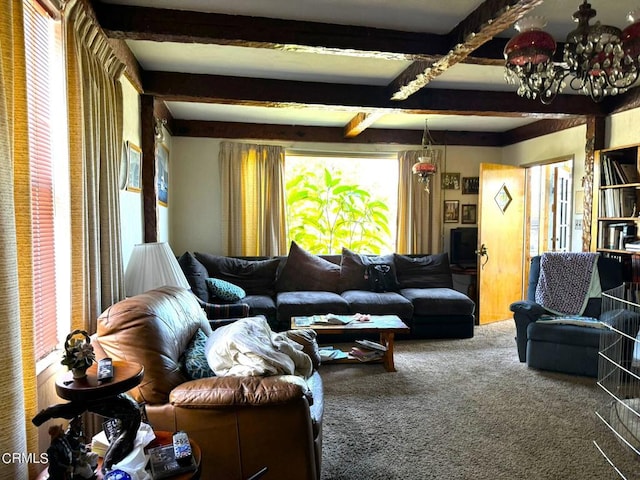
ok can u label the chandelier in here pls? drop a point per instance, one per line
(428, 159)
(598, 60)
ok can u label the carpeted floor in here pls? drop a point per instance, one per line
(463, 409)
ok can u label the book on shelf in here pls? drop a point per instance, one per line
(331, 353)
(634, 245)
(617, 235)
(372, 345)
(629, 172)
(365, 354)
(163, 463)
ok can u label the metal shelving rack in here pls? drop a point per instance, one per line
(619, 375)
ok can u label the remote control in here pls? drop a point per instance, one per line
(181, 448)
(105, 370)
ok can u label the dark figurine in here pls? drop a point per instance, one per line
(84, 460)
(60, 455)
(122, 407)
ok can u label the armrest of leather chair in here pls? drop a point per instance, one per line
(216, 392)
(525, 312)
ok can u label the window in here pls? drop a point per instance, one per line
(335, 202)
(48, 160)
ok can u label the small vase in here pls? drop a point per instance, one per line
(79, 372)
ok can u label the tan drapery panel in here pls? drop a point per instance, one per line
(253, 209)
(18, 378)
(95, 143)
(419, 213)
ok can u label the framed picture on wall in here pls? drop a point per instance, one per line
(469, 214)
(470, 185)
(451, 181)
(451, 211)
(162, 174)
(134, 167)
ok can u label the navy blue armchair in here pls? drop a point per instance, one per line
(561, 347)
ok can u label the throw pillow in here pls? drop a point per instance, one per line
(255, 277)
(428, 271)
(224, 290)
(196, 274)
(353, 270)
(304, 271)
(193, 361)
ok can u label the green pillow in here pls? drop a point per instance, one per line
(194, 359)
(225, 290)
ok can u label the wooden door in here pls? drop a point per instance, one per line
(500, 240)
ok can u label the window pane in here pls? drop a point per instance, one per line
(48, 164)
(335, 202)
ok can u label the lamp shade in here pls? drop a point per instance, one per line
(152, 265)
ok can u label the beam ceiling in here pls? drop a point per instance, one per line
(470, 42)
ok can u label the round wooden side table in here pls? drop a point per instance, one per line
(105, 398)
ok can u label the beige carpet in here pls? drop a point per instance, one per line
(463, 409)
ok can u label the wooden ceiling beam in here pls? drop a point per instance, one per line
(171, 86)
(163, 25)
(205, 129)
(489, 19)
(361, 122)
(193, 128)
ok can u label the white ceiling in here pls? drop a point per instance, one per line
(435, 16)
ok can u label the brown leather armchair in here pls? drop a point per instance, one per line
(242, 424)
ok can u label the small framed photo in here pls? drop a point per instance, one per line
(451, 211)
(162, 174)
(134, 167)
(469, 214)
(451, 181)
(470, 185)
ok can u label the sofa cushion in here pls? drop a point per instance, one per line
(438, 301)
(428, 271)
(304, 271)
(563, 334)
(196, 274)
(224, 290)
(378, 303)
(255, 277)
(194, 359)
(293, 304)
(353, 267)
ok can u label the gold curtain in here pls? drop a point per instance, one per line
(95, 144)
(18, 379)
(253, 209)
(419, 224)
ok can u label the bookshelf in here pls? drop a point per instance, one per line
(616, 206)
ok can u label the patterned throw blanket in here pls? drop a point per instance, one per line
(566, 282)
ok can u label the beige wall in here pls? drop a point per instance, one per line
(195, 185)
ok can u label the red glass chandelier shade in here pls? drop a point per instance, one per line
(631, 35)
(531, 45)
(428, 159)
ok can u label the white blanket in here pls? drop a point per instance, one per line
(249, 347)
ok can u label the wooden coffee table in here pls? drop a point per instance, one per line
(384, 325)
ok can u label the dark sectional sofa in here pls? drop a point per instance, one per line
(301, 284)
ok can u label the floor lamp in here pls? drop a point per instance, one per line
(152, 265)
